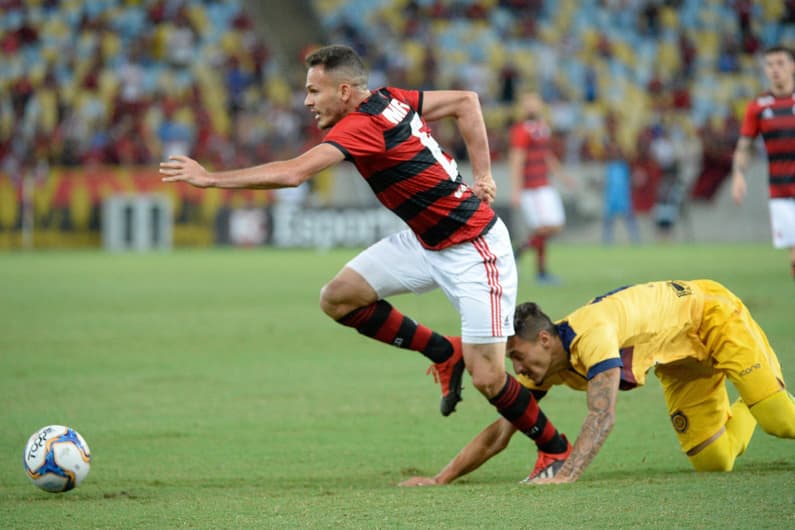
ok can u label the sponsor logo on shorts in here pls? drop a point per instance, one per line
(680, 421)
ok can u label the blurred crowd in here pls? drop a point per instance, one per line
(132, 82)
(662, 83)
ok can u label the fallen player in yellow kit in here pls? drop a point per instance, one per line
(695, 334)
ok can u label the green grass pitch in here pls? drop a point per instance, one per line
(215, 394)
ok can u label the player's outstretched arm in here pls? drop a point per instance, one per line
(602, 392)
(281, 174)
(485, 445)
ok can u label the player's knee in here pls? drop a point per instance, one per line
(719, 455)
(713, 459)
(713, 466)
(332, 301)
(488, 382)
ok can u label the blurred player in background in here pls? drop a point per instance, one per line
(531, 161)
(772, 115)
(455, 241)
(695, 334)
(617, 194)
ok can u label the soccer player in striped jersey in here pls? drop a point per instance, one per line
(531, 161)
(454, 240)
(772, 115)
(695, 334)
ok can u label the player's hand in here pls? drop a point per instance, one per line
(485, 189)
(184, 169)
(738, 188)
(419, 481)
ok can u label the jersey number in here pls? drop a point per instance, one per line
(428, 141)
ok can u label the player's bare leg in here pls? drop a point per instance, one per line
(486, 365)
(352, 302)
(346, 292)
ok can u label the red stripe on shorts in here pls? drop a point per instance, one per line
(495, 289)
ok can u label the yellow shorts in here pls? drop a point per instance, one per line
(695, 391)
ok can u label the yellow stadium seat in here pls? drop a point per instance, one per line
(496, 56)
(525, 63)
(414, 52)
(198, 18)
(394, 19)
(108, 86)
(669, 19)
(668, 57)
(327, 7)
(624, 53)
(185, 116)
(772, 10)
(439, 25)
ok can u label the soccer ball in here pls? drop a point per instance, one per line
(56, 458)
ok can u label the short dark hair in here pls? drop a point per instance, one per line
(780, 49)
(529, 321)
(339, 58)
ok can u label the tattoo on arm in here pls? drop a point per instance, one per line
(601, 394)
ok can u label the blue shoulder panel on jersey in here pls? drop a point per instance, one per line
(566, 335)
(608, 293)
(603, 366)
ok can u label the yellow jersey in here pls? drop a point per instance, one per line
(634, 328)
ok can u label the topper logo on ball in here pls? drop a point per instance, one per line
(38, 444)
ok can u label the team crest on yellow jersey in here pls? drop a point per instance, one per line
(680, 421)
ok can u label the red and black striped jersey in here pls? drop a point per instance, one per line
(391, 146)
(774, 118)
(533, 136)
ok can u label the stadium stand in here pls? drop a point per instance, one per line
(126, 82)
(635, 70)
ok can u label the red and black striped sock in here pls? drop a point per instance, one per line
(384, 323)
(518, 405)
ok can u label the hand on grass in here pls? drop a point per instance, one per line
(419, 481)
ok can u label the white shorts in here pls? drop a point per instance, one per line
(478, 277)
(542, 207)
(782, 222)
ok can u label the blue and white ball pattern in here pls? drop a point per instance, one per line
(56, 458)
